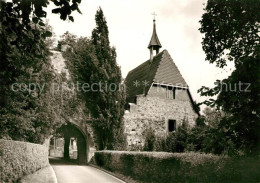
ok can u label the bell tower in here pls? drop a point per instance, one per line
(154, 43)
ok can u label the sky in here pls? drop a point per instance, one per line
(130, 24)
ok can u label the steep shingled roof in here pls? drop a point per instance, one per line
(161, 70)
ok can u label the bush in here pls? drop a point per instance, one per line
(181, 137)
(166, 167)
(167, 144)
(201, 138)
(175, 141)
(135, 147)
(210, 140)
(149, 140)
(20, 158)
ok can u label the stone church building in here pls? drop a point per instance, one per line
(157, 96)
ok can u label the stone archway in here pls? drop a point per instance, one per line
(84, 142)
(72, 131)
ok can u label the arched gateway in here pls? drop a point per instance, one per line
(76, 142)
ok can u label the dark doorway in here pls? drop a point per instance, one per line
(171, 125)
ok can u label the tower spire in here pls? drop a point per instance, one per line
(154, 43)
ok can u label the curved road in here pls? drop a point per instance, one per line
(69, 172)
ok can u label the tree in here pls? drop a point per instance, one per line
(212, 117)
(67, 39)
(27, 113)
(23, 27)
(231, 31)
(110, 108)
(93, 62)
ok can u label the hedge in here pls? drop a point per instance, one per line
(18, 159)
(154, 167)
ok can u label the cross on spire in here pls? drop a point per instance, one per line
(154, 43)
(154, 15)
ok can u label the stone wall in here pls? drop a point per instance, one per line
(18, 159)
(154, 110)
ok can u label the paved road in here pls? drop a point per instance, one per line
(69, 172)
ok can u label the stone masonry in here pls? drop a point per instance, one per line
(154, 110)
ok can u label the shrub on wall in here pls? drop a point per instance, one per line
(174, 142)
(202, 138)
(150, 139)
(154, 167)
(21, 158)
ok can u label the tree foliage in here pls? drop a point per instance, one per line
(110, 106)
(231, 31)
(27, 107)
(27, 113)
(93, 62)
(207, 136)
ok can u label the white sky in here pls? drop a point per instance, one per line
(130, 25)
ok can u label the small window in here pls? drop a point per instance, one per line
(171, 125)
(168, 92)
